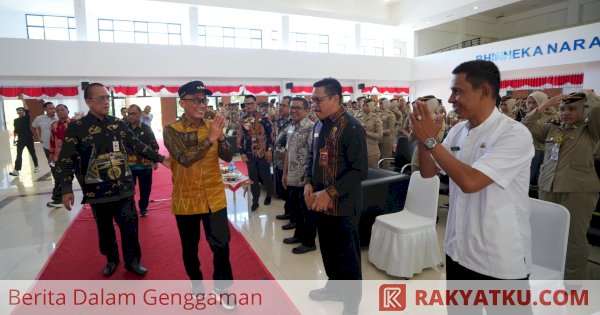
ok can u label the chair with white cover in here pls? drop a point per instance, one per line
(406, 242)
(549, 236)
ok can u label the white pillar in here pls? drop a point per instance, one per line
(194, 26)
(461, 31)
(285, 32)
(81, 19)
(357, 37)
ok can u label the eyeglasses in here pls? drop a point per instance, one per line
(250, 103)
(296, 108)
(132, 114)
(100, 98)
(318, 99)
(196, 101)
(20, 111)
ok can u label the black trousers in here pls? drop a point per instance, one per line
(47, 154)
(306, 220)
(123, 212)
(216, 229)
(20, 146)
(279, 190)
(455, 273)
(256, 167)
(145, 179)
(340, 249)
(56, 191)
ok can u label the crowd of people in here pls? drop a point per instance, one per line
(496, 151)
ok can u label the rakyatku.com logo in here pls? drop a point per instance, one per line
(392, 297)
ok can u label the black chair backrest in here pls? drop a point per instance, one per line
(404, 151)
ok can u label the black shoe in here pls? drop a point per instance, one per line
(303, 249)
(267, 200)
(254, 206)
(144, 213)
(110, 268)
(282, 217)
(291, 240)
(137, 268)
(289, 226)
(323, 294)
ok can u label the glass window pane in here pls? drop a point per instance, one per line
(256, 43)
(229, 31)
(324, 39)
(72, 34)
(292, 37)
(72, 23)
(157, 38)
(141, 26)
(324, 48)
(35, 32)
(242, 33)
(228, 42)
(214, 41)
(124, 37)
(301, 37)
(214, 31)
(56, 21)
(35, 20)
(57, 33)
(378, 51)
(256, 34)
(141, 38)
(242, 43)
(174, 39)
(123, 25)
(300, 46)
(174, 28)
(105, 24)
(106, 36)
(201, 30)
(157, 28)
(202, 40)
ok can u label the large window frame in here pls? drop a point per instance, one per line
(139, 32)
(372, 47)
(50, 26)
(309, 42)
(230, 37)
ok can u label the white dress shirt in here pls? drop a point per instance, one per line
(488, 231)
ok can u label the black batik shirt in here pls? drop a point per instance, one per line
(102, 145)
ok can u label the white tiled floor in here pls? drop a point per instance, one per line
(29, 231)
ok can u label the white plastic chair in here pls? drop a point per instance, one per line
(405, 242)
(549, 236)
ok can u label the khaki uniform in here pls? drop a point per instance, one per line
(414, 162)
(386, 144)
(373, 129)
(570, 179)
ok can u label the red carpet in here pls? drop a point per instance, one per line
(77, 255)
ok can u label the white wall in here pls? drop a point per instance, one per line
(12, 24)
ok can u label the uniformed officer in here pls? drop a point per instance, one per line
(388, 120)
(374, 131)
(567, 176)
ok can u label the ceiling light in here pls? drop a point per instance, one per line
(427, 22)
(475, 8)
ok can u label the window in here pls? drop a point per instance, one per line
(140, 32)
(371, 47)
(232, 37)
(51, 27)
(309, 42)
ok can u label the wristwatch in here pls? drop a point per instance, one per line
(430, 143)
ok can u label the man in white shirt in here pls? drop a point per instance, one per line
(487, 159)
(146, 116)
(42, 125)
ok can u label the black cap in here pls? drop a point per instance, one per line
(193, 87)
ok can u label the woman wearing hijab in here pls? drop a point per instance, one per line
(374, 130)
(534, 100)
(567, 176)
(507, 104)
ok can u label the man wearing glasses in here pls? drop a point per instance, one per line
(101, 141)
(335, 170)
(256, 148)
(196, 144)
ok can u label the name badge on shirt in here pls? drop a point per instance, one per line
(316, 135)
(116, 146)
(291, 130)
(555, 151)
(323, 157)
